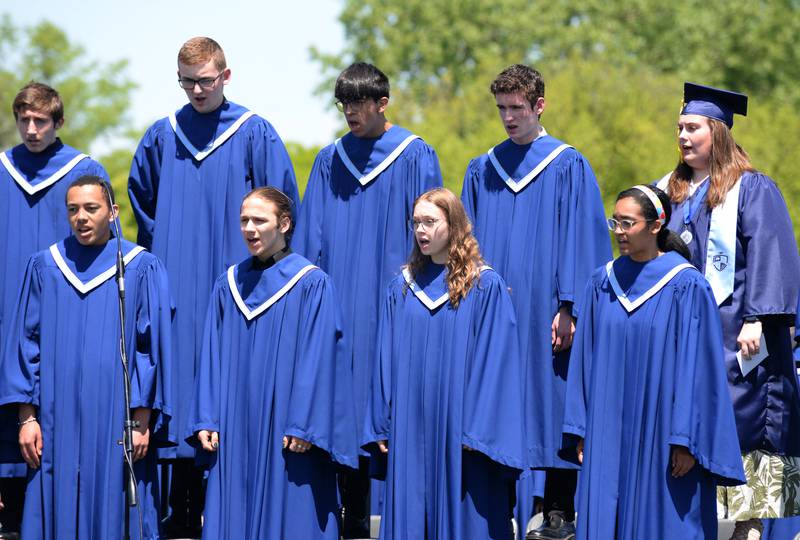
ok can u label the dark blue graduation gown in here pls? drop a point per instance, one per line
(445, 378)
(186, 187)
(354, 225)
(271, 365)
(766, 284)
(640, 381)
(33, 188)
(66, 363)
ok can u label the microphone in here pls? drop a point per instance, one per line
(118, 234)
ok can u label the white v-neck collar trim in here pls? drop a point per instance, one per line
(31, 189)
(423, 297)
(632, 305)
(252, 314)
(199, 155)
(517, 186)
(93, 283)
(367, 178)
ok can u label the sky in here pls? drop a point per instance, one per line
(266, 45)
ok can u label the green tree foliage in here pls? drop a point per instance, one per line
(614, 71)
(96, 95)
(302, 160)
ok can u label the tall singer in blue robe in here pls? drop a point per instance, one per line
(647, 403)
(740, 236)
(187, 180)
(272, 403)
(34, 176)
(352, 224)
(447, 387)
(66, 376)
(538, 215)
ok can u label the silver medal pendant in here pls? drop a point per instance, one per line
(686, 236)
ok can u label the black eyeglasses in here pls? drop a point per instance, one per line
(355, 105)
(427, 224)
(624, 224)
(205, 83)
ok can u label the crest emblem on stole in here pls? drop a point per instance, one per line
(720, 262)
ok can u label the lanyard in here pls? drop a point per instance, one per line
(691, 206)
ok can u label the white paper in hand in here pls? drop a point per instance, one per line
(747, 365)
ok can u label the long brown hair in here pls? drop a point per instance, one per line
(464, 259)
(727, 162)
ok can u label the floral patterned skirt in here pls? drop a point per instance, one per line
(772, 489)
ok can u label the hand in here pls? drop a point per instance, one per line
(141, 434)
(209, 440)
(30, 444)
(682, 461)
(749, 340)
(383, 446)
(579, 451)
(562, 330)
(296, 444)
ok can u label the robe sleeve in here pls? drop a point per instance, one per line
(378, 421)
(493, 406)
(143, 185)
(307, 237)
(270, 164)
(576, 395)
(767, 237)
(204, 412)
(19, 374)
(469, 191)
(583, 240)
(702, 413)
(321, 409)
(150, 362)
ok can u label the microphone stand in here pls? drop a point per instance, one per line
(127, 436)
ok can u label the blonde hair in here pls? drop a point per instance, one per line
(200, 50)
(727, 162)
(464, 259)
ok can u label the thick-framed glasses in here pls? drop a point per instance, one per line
(205, 83)
(427, 224)
(624, 224)
(355, 105)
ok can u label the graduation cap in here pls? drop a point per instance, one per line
(713, 102)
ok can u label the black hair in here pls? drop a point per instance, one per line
(361, 81)
(91, 180)
(667, 240)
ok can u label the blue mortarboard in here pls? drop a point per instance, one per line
(713, 102)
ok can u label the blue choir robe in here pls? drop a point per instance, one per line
(444, 378)
(67, 364)
(766, 285)
(647, 372)
(781, 529)
(353, 224)
(33, 188)
(538, 216)
(271, 366)
(187, 181)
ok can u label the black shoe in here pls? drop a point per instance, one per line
(554, 528)
(356, 528)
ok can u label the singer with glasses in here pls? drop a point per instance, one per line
(647, 405)
(63, 371)
(447, 387)
(189, 174)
